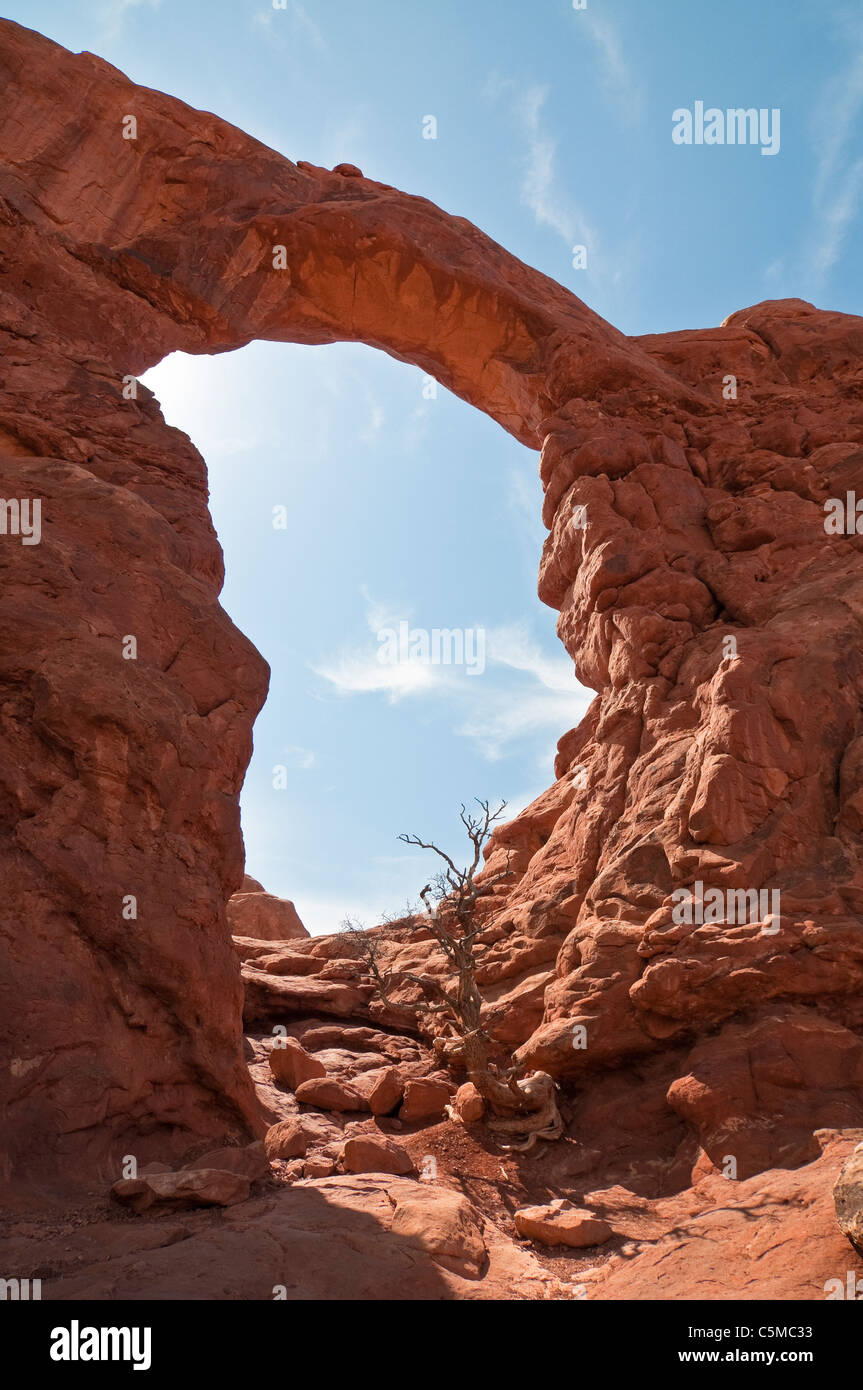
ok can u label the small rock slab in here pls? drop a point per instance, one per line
(426, 1098)
(288, 1139)
(468, 1104)
(292, 1064)
(328, 1094)
(383, 1089)
(560, 1223)
(193, 1187)
(365, 1154)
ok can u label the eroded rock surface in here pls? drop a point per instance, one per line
(365, 1236)
(699, 594)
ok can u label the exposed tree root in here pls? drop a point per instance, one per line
(540, 1118)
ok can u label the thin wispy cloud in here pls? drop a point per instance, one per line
(541, 700)
(541, 189)
(296, 20)
(838, 109)
(615, 73)
(375, 423)
(515, 647)
(503, 719)
(360, 673)
(837, 188)
(302, 758)
(357, 670)
(323, 914)
(522, 693)
(305, 23)
(215, 421)
(839, 214)
(524, 504)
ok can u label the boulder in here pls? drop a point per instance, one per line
(561, 1223)
(264, 917)
(426, 1098)
(468, 1104)
(382, 1087)
(325, 1093)
(287, 1139)
(292, 1065)
(195, 1187)
(319, 1166)
(367, 1154)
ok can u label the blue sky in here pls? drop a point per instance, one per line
(553, 130)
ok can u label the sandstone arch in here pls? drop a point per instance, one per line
(704, 516)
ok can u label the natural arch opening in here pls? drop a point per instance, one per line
(353, 496)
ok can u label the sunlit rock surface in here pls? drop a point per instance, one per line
(700, 594)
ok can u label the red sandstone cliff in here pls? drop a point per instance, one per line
(677, 518)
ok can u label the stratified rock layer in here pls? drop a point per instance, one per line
(699, 594)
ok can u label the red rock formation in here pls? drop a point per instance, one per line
(772, 1237)
(678, 517)
(262, 916)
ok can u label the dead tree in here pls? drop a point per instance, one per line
(519, 1103)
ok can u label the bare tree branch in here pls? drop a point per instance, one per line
(450, 900)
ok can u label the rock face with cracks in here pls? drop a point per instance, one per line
(699, 593)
